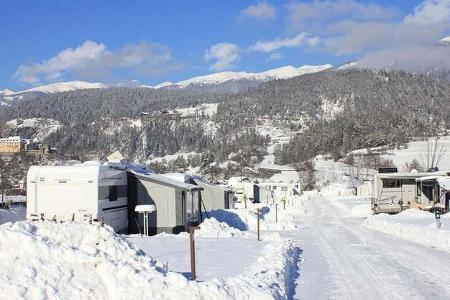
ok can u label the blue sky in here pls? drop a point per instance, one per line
(153, 41)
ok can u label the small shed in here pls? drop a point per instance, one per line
(177, 203)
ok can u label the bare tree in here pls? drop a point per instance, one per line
(434, 150)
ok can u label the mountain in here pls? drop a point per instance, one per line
(220, 78)
(64, 87)
(445, 41)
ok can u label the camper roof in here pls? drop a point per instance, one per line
(202, 182)
(407, 175)
(156, 178)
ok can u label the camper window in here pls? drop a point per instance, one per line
(391, 183)
(113, 193)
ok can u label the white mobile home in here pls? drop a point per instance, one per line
(84, 191)
(393, 192)
(177, 203)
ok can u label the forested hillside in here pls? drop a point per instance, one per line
(333, 112)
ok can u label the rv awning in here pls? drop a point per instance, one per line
(155, 178)
(444, 182)
(426, 178)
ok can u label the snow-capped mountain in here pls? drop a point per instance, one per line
(226, 77)
(6, 92)
(445, 41)
(64, 87)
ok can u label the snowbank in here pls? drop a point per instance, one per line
(247, 219)
(414, 225)
(81, 261)
(14, 214)
(211, 227)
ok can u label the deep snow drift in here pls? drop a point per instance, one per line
(81, 261)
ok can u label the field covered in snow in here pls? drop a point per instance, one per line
(82, 261)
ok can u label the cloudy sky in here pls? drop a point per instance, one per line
(150, 42)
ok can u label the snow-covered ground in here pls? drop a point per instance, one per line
(14, 214)
(414, 150)
(42, 260)
(326, 245)
(344, 259)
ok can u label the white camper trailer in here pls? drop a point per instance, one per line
(85, 191)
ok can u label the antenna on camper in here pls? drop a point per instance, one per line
(145, 209)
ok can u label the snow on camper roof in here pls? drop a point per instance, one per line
(201, 182)
(156, 178)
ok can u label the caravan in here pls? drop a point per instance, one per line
(89, 191)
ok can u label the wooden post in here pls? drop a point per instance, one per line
(192, 248)
(284, 204)
(276, 213)
(257, 226)
(245, 200)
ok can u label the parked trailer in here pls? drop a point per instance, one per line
(177, 203)
(393, 192)
(89, 191)
(214, 196)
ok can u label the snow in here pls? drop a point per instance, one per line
(413, 150)
(6, 92)
(81, 261)
(64, 87)
(207, 109)
(445, 41)
(222, 77)
(344, 259)
(44, 127)
(14, 214)
(171, 157)
(414, 225)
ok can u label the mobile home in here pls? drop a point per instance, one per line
(281, 191)
(244, 189)
(177, 203)
(84, 191)
(393, 192)
(433, 192)
(214, 196)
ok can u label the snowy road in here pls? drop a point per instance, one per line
(344, 260)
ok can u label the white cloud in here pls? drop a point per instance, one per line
(261, 10)
(275, 56)
(356, 27)
(223, 56)
(307, 15)
(296, 41)
(430, 12)
(93, 60)
(409, 59)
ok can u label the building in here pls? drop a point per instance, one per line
(393, 192)
(177, 203)
(214, 196)
(12, 145)
(282, 191)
